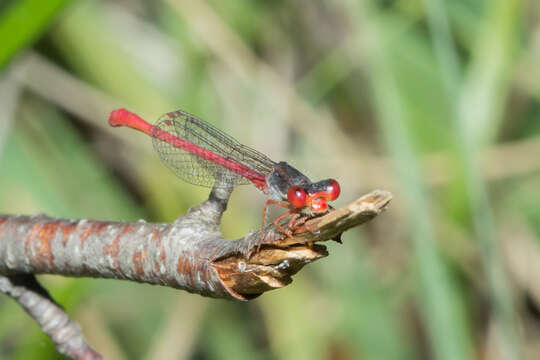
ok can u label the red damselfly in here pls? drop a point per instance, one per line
(199, 153)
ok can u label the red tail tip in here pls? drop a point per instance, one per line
(116, 117)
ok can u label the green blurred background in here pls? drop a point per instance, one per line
(437, 101)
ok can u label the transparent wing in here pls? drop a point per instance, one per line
(206, 139)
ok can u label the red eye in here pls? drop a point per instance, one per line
(297, 196)
(333, 190)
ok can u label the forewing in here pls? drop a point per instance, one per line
(199, 171)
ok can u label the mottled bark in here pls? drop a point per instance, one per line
(189, 254)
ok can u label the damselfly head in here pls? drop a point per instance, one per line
(315, 195)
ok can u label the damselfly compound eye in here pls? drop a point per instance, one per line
(333, 190)
(297, 196)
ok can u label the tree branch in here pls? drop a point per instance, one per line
(189, 254)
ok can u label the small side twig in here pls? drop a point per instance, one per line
(53, 320)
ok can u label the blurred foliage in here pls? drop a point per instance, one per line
(21, 22)
(437, 101)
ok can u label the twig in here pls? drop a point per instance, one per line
(53, 320)
(189, 254)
